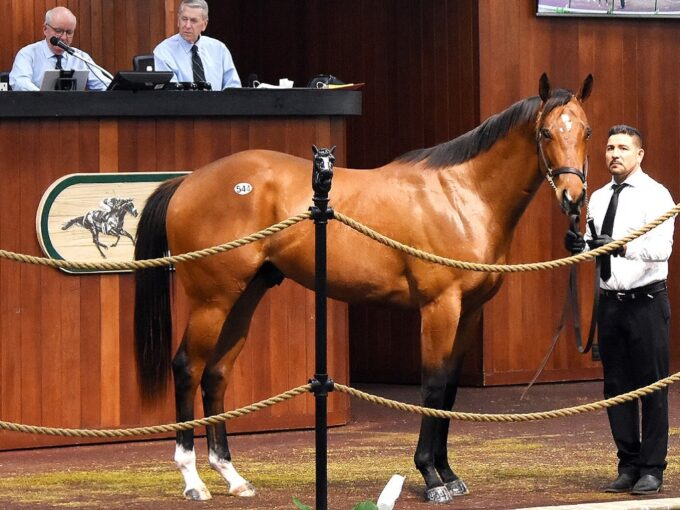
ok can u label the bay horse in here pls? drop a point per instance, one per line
(461, 199)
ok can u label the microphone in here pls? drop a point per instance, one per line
(55, 41)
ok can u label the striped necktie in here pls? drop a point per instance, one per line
(58, 65)
(197, 65)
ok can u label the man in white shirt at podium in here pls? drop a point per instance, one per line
(33, 60)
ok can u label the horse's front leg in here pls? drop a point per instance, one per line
(439, 322)
(468, 326)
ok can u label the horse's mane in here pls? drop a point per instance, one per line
(480, 139)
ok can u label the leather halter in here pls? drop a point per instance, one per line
(551, 173)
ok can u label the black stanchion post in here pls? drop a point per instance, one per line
(321, 383)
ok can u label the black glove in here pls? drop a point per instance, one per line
(574, 242)
(601, 240)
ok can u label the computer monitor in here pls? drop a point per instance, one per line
(51, 79)
(140, 80)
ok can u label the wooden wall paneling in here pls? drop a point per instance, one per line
(10, 281)
(29, 289)
(85, 350)
(170, 18)
(91, 380)
(629, 87)
(164, 149)
(47, 317)
(131, 405)
(70, 379)
(120, 24)
(109, 338)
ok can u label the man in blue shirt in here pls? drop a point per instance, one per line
(33, 60)
(193, 57)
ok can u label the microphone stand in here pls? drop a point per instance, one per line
(90, 63)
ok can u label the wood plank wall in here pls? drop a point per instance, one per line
(66, 348)
(434, 70)
(635, 64)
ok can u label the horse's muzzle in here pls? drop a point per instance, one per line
(572, 207)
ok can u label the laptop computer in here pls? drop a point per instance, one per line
(51, 76)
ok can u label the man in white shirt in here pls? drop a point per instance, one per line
(33, 60)
(634, 311)
(193, 57)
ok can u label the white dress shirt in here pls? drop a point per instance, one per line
(641, 202)
(174, 54)
(33, 60)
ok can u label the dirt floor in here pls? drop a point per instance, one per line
(506, 465)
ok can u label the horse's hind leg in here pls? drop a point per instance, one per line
(217, 372)
(187, 367)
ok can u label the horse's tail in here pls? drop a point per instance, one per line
(153, 321)
(73, 221)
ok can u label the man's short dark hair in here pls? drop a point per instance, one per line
(624, 129)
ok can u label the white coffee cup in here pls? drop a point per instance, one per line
(285, 83)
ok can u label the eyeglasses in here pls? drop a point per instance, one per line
(61, 31)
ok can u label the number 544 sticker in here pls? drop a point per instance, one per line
(243, 188)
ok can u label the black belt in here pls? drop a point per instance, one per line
(636, 293)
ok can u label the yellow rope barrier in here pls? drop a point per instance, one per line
(157, 429)
(376, 236)
(392, 404)
(164, 261)
(480, 417)
(503, 268)
(159, 262)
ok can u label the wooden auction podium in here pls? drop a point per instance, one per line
(66, 346)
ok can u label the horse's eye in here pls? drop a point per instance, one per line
(545, 133)
(589, 133)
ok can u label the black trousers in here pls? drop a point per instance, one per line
(633, 342)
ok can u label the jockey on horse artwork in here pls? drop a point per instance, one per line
(108, 220)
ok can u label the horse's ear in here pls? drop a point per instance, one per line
(544, 87)
(333, 150)
(315, 150)
(586, 88)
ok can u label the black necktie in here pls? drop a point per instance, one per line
(197, 65)
(608, 228)
(58, 57)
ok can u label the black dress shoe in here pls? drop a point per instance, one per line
(624, 483)
(647, 484)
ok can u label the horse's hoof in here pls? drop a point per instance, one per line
(246, 490)
(457, 487)
(438, 494)
(199, 494)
